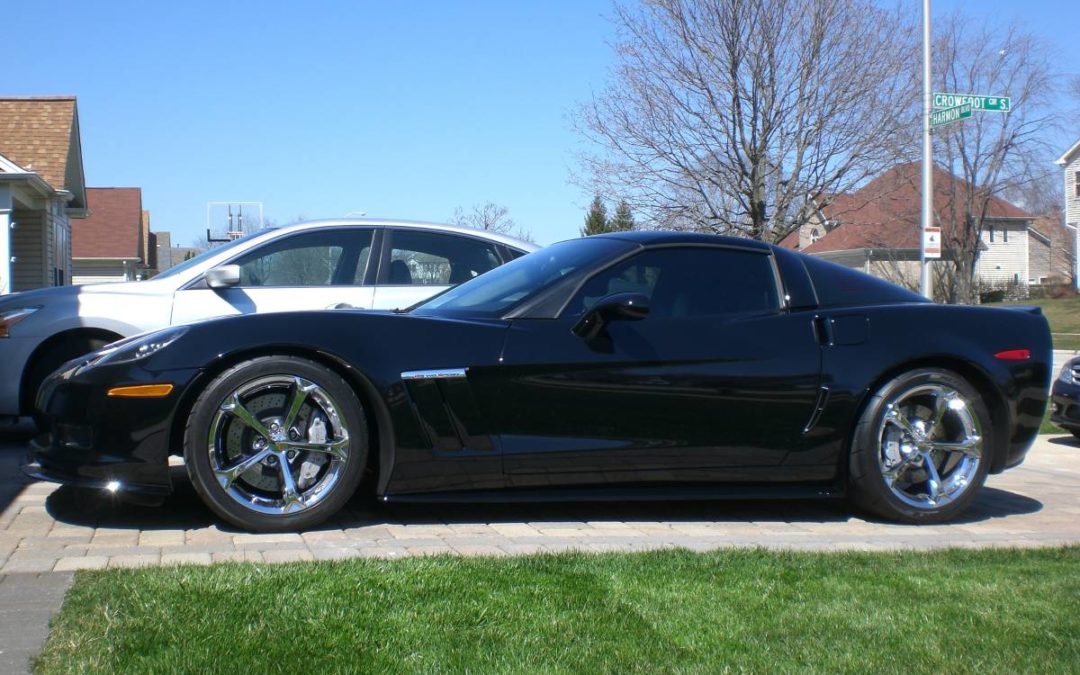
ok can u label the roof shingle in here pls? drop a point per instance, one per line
(114, 227)
(885, 213)
(37, 134)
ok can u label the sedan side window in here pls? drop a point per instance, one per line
(688, 282)
(325, 258)
(436, 259)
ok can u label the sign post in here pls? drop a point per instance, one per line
(927, 160)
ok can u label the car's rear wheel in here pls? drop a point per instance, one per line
(920, 452)
(276, 443)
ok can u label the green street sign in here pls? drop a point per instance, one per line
(949, 115)
(980, 103)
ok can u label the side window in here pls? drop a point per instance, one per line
(330, 257)
(688, 282)
(436, 259)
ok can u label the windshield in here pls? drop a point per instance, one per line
(494, 293)
(192, 262)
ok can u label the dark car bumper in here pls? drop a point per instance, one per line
(101, 441)
(1065, 405)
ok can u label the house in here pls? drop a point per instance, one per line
(1070, 163)
(42, 187)
(876, 229)
(108, 245)
(162, 250)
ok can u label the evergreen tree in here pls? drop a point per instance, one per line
(596, 220)
(623, 220)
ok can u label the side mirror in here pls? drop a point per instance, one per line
(223, 276)
(617, 307)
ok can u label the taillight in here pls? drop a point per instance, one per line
(1013, 355)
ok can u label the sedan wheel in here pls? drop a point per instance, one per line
(276, 443)
(919, 451)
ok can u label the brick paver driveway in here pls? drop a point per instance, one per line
(44, 527)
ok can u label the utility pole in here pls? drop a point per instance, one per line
(927, 219)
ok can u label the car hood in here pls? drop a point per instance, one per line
(377, 341)
(46, 296)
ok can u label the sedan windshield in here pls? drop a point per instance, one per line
(192, 262)
(503, 288)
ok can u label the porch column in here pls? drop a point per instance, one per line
(6, 207)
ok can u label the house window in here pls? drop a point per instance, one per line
(1005, 235)
(1076, 184)
(991, 234)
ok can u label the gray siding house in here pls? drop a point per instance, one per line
(1070, 162)
(41, 190)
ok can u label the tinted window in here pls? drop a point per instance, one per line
(688, 282)
(837, 285)
(325, 258)
(436, 259)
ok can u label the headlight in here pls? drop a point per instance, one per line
(137, 347)
(14, 316)
(1066, 374)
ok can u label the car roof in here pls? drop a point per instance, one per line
(504, 239)
(661, 237)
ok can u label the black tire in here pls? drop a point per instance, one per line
(207, 422)
(46, 363)
(869, 489)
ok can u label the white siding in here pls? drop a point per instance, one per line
(97, 271)
(1072, 202)
(1004, 261)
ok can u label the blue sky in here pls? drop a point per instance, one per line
(402, 109)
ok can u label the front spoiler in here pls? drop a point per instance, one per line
(102, 477)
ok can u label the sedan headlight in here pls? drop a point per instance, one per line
(137, 347)
(1066, 374)
(13, 316)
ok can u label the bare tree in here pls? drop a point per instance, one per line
(491, 217)
(995, 153)
(727, 115)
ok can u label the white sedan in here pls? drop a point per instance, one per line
(369, 264)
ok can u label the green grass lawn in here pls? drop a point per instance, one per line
(954, 611)
(1064, 317)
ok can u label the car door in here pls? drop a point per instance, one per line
(316, 269)
(717, 383)
(416, 264)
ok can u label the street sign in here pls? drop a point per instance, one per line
(949, 115)
(980, 103)
(931, 242)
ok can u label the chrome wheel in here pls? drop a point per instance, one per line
(278, 444)
(930, 445)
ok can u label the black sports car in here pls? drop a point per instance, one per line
(626, 366)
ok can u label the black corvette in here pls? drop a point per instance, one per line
(628, 366)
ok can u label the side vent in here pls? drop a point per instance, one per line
(819, 407)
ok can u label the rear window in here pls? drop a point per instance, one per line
(839, 286)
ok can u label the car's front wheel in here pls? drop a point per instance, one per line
(920, 452)
(276, 443)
